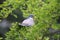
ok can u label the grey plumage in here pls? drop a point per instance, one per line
(4, 26)
(53, 31)
(29, 21)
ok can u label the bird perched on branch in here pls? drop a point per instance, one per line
(28, 22)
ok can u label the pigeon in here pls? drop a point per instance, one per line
(28, 22)
(4, 27)
(53, 31)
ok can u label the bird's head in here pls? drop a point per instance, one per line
(31, 15)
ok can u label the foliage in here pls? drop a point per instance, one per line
(46, 13)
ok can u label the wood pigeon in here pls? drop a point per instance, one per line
(28, 22)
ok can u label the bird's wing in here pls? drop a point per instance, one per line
(28, 21)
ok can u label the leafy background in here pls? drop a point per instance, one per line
(46, 13)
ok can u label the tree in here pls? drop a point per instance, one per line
(46, 13)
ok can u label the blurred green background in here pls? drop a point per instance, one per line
(46, 13)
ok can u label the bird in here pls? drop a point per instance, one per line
(53, 31)
(4, 27)
(28, 22)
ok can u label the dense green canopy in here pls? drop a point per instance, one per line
(46, 13)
